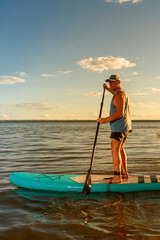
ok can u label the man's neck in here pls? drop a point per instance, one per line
(115, 90)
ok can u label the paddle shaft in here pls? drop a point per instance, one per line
(95, 141)
(87, 185)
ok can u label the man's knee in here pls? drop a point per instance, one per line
(116, 145)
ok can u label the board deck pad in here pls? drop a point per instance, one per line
(99, 179)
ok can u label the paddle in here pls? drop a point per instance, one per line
(87, 185)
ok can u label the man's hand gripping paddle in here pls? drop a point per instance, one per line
(87, 185)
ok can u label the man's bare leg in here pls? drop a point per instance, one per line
(124, 162)
(116, 158)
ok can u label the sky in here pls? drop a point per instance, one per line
(56, 54)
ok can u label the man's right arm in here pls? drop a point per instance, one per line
(108, 88)
(119, 102)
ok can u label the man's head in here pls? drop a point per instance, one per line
(114, 82)
(113, 78)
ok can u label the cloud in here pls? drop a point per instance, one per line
(134, 73)
(65, 72)
(105, 63)
(148, 91)
(4, 116)
(21, 73)
(46, 116)
(123, 1)
(130, 74)
(37, 106)
(10, 80)
(47, 75)
(154, 90)
(54, 75)
(138, 93)
(145, 105)
(92, 94)
(126, 80)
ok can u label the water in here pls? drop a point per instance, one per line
(66, 147)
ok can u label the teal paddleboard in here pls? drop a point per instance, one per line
(75, 183)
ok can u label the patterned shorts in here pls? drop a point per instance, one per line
(119, 136)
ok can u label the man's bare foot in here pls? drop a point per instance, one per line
(124, 175)
(113, 180)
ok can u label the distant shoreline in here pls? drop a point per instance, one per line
(2, 121)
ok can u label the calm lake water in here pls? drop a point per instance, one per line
(66, 147)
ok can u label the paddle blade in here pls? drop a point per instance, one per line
(87, 185)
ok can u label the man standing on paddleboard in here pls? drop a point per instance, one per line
(120, 124)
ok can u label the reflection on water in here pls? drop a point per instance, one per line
(116, 215)
(65, 147)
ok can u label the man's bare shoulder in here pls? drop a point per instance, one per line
(119, 98)
(120, 94)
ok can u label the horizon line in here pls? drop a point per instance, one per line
(68, 120)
